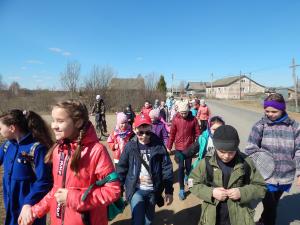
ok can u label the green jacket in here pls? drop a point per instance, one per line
(241, 211)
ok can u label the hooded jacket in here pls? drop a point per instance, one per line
(95, 164)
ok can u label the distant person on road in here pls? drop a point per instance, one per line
(99, 111)
(146, 108)
(203, 114)
(184, 132)
(158, 127)
(195, 107)
(227, 182)
(130, 114)
(146, 171)
(204, 145)
(27, 178)
(78, 160)
(120, 136)
(279, 136)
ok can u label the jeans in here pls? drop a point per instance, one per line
(142, 207)
(183, 164)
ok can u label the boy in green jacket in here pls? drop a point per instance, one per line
(228, 182)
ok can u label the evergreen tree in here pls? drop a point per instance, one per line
(161, 84)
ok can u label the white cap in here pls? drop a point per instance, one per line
(98, 97)
(202, 101)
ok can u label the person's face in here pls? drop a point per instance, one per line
(143, 134)
(122, 126)
(226, 156)
(196, 105)
(214, 126)
(127, 109)
(7, 131)
(272, 113)
(63, 125)
(147, 105)
(184, 114)
(162, 103)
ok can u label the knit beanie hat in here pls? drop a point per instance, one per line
(154, 113)
(121, 118)
(183, 106)
(226, 138)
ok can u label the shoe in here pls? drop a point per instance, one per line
(181, 194)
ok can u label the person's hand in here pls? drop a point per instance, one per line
(61, 196)
(298, 181)
(169, 150)
(220, 193)
(169, 199)
(116, 146)
(26, 217)
(234, 193)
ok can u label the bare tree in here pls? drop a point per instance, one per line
(151, 81)
(2, 85)
(98, 81)
(70, 77)
(14, 88)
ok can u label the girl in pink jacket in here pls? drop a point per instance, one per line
(78, 160)
(203, 115)
(120, 136)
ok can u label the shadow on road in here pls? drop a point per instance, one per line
(167, 217)
(288, 209)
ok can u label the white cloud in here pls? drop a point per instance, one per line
(14, 78)
(33, 61)
(55, 49)
(60, 51)
(139, 58)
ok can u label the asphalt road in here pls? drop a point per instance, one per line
(188, 212)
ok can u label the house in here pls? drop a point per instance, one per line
(127, 84)
(234, 87)
(196, 88)
(287, 93)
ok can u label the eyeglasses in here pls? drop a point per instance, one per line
(141, 133)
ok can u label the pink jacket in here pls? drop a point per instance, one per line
(117, 142)
(203, 113)
(95, 164)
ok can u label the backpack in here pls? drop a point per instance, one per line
(113, 209)
(30, 155)
(210, 173)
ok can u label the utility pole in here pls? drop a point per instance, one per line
(295, 77)
(240, 85)
(211, 90)
(172, 87)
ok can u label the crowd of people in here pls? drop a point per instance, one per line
(63, 177)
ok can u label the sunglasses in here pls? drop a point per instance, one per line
(141, 133)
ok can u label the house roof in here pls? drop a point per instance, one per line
(230, 80)
(127, 83)
(196, 86)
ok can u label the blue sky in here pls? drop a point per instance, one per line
(190, 39)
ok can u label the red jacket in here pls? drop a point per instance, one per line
(95, 164)
(184, 132)
(117, 142)
(203, 113)
(146, 111)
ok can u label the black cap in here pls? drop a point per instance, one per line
(226, 138)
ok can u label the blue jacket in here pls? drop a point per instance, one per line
(161, 168)
(23, 184)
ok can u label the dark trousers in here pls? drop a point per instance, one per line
(270, 203)
(183, 166)
(203, 124)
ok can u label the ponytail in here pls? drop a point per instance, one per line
(29, 121)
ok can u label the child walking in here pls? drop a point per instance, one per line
(204, 145)
(78, 160)
(158, 127)
(120, 136)
(227, 182)
(203, 114)
(145, 169)
(26, 177)
(279, 136)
